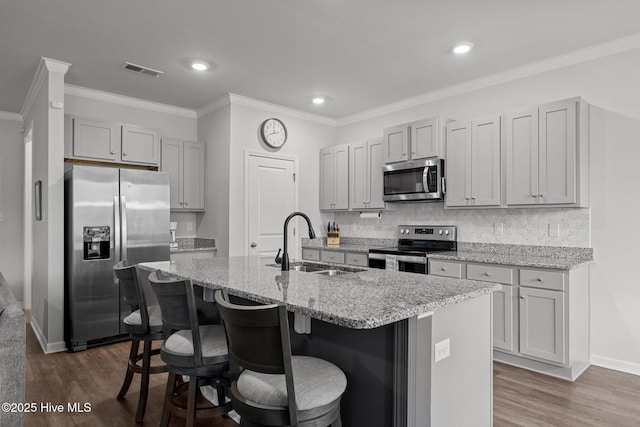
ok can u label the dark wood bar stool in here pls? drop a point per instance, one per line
(199, 352)
(143, 324)
(276, 388)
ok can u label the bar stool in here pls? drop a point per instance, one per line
(276, 388)
(143, 324)
(199, 352)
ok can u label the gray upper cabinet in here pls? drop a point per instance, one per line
(365, 175)
(185, 163)
(473, 163)
(413, 141)
(140, 145)
(334, 178)
(91, 139)
(547, 155)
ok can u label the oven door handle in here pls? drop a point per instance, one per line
(377, 256)
(412, 259)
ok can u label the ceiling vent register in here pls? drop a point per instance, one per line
(141, 70)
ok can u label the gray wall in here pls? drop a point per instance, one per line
(11, 205)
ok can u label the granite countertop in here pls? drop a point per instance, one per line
(362, 300)
(348, 244)
(510, 259)
(194, 244)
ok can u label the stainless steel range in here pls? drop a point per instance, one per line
(415, 242)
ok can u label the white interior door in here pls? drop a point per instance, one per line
(271, 197)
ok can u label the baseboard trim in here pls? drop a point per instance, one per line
(616, 364)
(47, 348)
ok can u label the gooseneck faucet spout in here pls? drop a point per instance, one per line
(285, 254)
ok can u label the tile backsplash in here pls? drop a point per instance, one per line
(533, 226)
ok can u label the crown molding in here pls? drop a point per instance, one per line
(576, 57)
(83, 92)
(5, 115)
(214, 105)
(45, 66)
(279, 109)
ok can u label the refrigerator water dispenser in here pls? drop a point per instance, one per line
(96, 242)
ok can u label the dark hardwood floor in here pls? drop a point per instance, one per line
(94, 376)
(601, 397)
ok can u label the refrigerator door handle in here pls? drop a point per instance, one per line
(123, 232)
(116, 227)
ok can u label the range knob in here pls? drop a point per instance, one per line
(402, 231)
(406, 230)
(440, 232)
(446, 232)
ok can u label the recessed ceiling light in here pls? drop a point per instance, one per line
(463, 47)
(318, 100)
(199, 65)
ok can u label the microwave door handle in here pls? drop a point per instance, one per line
(444, 186)
(425, 179)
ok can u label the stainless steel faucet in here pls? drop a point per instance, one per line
(284, 260)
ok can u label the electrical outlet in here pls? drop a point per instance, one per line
(442, 350)
(498, 228)
(1, 217)
(554, 230)
(189, 226)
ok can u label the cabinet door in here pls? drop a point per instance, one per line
(485, 162)
(522, 157)
(458, 164)
(140, 145)
(557, 182)
(193, 175)
(172, 163)
(95, 139)
(425, 138)
(376, 183)
(326, 178)
(503, 319)
(396, 144)
(341, 177)
(542, 324)
(359, 187)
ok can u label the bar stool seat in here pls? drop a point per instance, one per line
(212, 340)
(135, 319)
(317, 383)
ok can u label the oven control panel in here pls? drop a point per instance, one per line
(428, 232)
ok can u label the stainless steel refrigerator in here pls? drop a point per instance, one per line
(111, 214)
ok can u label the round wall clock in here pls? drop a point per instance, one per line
(273, 133)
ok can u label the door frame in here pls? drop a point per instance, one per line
(247, 156)
(27, 229)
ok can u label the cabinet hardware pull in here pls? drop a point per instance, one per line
(186, 203)
(112, 152)
(443, 269)
(521, 296)
(534, 195)
(539, 279)
(487, 274)
(541, 195)
(124, 154)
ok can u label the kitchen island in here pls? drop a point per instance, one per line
(384, 329)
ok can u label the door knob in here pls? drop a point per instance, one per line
(253, 244)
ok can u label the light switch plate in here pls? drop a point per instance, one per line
(442, 350)
(498, 228)
(554, 230)
(1, 216)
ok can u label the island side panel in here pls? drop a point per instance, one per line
(462, 384)
(367, 358)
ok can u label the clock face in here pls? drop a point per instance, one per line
(273, 133)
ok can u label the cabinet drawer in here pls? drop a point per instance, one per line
(311, 254)
(490, 273)
(360, 259)
(330, 256)
(446, 268)
(554, 280)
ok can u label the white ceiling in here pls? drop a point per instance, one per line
(360, 54)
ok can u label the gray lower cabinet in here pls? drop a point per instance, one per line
(337, 257)
(540, 316)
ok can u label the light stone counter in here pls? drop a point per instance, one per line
(362, 300)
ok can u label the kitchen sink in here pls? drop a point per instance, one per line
(323, 269)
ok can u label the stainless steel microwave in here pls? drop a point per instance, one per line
(414, 180)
